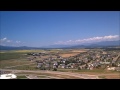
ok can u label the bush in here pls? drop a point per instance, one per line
(55, 69)
(79, 68)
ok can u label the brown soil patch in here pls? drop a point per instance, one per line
(79, 51)
(112, 76)
(68, 55)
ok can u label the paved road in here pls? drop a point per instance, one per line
(84, 76)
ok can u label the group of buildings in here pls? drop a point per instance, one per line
(87, 60)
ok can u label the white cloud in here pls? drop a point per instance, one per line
(89, 40)
(3, 39)
(18, 41)
(7, 42)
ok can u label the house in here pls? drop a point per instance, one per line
(91, 68)
(117, 68)
(111, 68)
(62, 66)
(47, 65)
(54, 66)
(72, 66)
(55, 63)
(68, 66)
(39, 64)
(104, 62)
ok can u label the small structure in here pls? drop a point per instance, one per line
(8, 76)
(111, 68)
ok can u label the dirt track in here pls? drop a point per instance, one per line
(84, 76)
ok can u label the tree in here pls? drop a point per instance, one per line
(67, 62)
(55, 69)
(79, 68)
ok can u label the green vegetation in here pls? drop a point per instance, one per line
(42, 76)
(76, 70)
(13, 62)
(25, 67)
(95, 71)
(21, 77)
(15, 54)
(11, 55)
(102, 77)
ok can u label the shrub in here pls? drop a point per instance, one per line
(55, 69)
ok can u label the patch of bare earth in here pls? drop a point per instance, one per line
(68, 55)
(79, 51)
(112, 76)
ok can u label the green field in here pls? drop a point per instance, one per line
(11, 55)
(95, 71)
(21, 77)
(26, 67)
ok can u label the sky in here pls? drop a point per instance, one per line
(44, 28)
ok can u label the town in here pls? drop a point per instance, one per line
(93, 63)
(90, 60)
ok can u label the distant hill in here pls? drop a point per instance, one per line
(109, 43)
(93, 45)
(15, 48)
(99, 44)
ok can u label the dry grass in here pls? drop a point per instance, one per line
(28, 51)
(68, 55)
(81, 50)
(117, 76)
(112, 76)
(72, 52)
(53, 75)
(7, 63)
(2, 52)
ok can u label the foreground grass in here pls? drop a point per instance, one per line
(117, 76)
(21, 77)
(13, 55)
(42, 76)
(13, 62)
(26, 67)
(95, 71)
(102, 77)
(49, 75)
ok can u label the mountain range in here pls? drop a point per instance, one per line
(92, 45)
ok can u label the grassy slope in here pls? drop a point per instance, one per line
(13, 58)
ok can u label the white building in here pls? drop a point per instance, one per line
(8, 76)
(111, 68)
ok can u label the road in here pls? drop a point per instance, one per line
(116, 58)
(77, 75)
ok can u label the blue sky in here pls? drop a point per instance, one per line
(42, 28)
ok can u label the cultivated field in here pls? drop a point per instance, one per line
(72, 52)
(80, 50)
(68, 55)
(27, 51)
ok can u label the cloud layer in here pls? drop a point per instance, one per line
(90, 40)
(6, 42)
